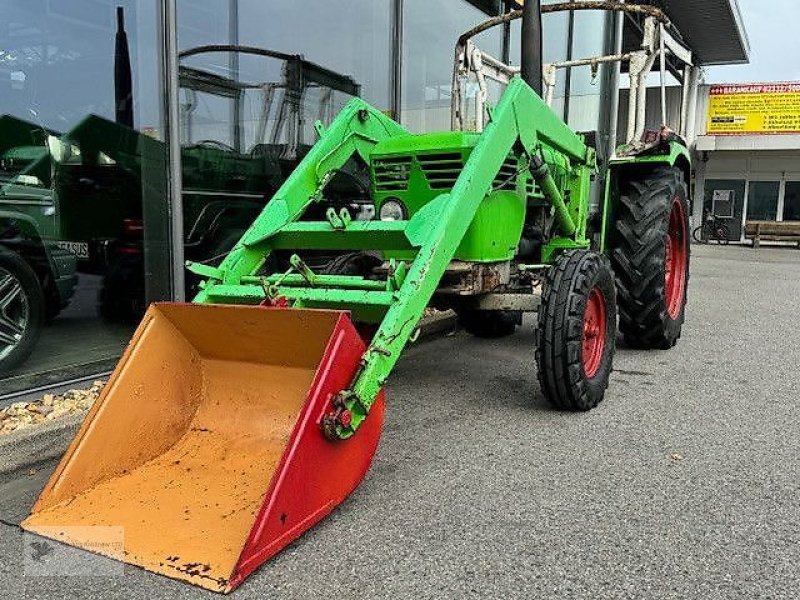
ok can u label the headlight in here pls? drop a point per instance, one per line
(392, 210)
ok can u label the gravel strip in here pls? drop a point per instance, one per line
(50, 407)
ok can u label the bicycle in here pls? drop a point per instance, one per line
(712, 228)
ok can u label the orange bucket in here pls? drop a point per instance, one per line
(205, 446)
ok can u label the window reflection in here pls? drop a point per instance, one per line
(249, 104)
(791, 201)
(762, 200)
(430, 31)
(79, 83)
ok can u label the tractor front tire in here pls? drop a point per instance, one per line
(650, 256)
(576, 330)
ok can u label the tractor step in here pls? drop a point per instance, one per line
(356, 235)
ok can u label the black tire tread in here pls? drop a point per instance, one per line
(559, 335)
(638, 258)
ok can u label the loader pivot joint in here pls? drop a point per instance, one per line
(336, 425)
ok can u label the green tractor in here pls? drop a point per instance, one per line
(491, 223)
(262, 401)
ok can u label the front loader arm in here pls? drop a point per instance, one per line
(520, 116)
(354, 131)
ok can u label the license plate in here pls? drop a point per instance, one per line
(79, 249)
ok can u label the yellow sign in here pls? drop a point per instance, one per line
(755, 109)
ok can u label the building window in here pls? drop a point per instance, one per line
(83, 184)
(791, 201)
(762, 201)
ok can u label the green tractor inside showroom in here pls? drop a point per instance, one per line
(258, 407)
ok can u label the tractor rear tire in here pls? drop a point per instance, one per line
(650, 256)
(576, 330)
(489, 324)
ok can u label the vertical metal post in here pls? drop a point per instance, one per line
(396, 54)
(233, 67)
(745, 202)
(568, 70)
(505, 48)
(699, 193)
(609, 101)
(781, 197)
(173, 139)
(692, 98)
(684, 101)
(531, 60)
(662, 60)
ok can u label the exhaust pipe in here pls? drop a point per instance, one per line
(531, 60)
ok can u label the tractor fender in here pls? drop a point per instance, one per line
(674, 153)
(620, 168)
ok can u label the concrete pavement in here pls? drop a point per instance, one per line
(684, 483)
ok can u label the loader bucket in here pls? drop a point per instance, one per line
(205, 447)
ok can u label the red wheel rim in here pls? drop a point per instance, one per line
(594, 332)
(675, 263)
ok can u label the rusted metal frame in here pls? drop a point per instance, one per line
(470, 59)
(469, 278)
(641, 9)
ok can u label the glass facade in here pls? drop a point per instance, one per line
(430, 31)
(85, 209)
(249, 103)
(82, 183)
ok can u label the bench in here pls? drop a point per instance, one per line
(772, 231)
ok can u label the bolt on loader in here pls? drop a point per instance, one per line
(234, 423)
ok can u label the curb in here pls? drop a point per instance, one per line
(24, 448)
